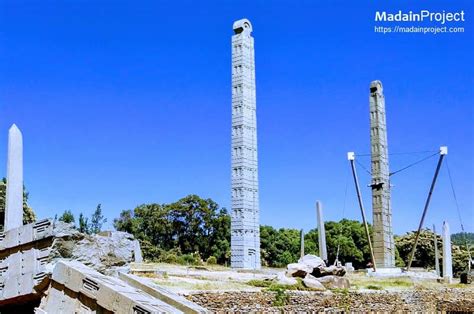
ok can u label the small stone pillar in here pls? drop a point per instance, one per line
(447, 259)
(323, 253)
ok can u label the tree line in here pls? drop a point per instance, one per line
(193, 230)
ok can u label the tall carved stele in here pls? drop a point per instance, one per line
(245, 226)
(384, 247)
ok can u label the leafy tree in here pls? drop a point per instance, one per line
(84, 224)
(425, 252)
(191, 224)
(462, 237)
(28, 213)
(67, 217)
(279, 247)
(97, 220)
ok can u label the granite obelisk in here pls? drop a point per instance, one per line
(14, 198)
(384, 244)
(447, 258)
(323, 253)
(245, 225)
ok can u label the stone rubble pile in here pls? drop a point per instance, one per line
(314, 274)
(50, 267)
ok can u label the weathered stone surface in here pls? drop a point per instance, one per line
(14, 198)
(329, 271)
(283, 279)
(311, 282)
(335, 282)
(298, 270)
(312, 261)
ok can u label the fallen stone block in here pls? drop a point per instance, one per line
(298, 270)
(312, 261)
(329, 271)
(283, 279)
(334, 282)
(312, 282)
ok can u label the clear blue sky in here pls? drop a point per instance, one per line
(128, 102)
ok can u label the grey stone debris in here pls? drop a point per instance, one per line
(329, 270)
(447, 259)
(321, 232)
(436, 251)
(298, 270)
(14, 199)
(301, 243)
(335, 282)
(312, 261)
(384, 245)
(283, 279)
(349, 268)
(245, 226)
(312, 282)
(40, 260)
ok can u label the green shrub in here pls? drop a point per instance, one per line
(374, 287)
(190, 259)
(170, 258)
(211, 260)
(281, 298)
(260, 283)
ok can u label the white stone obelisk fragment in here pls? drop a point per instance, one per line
(14, 197)
(447, 259)
(323, 253)
(301, 243)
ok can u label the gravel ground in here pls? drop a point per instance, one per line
(422, 301)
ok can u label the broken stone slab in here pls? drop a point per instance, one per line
(334, 282)
(312, 282)
(298, 270)
(99, 293)
(31, 252)
(162, 294)
(312, 261)
(283, 279)
(329, 271)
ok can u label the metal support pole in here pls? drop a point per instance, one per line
(351, 157)
(443, 151)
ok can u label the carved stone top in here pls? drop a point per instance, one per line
(242, 26)
(376, 87)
